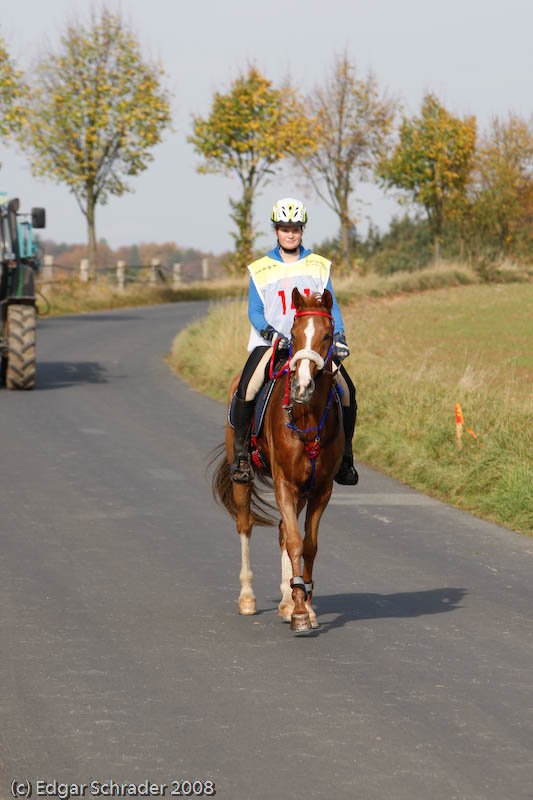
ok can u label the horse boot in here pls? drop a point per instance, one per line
(347, 473)
(241, 469)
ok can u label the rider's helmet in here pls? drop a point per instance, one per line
(289, 211)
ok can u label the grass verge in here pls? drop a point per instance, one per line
(413, 357)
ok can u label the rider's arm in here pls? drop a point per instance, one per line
(335, 310)
(256, 309)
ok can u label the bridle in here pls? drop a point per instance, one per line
(312, 355)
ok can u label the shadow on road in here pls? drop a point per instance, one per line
(60, 374)
(355, 606)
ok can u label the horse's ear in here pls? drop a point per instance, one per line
(297, 299)
(327, 299)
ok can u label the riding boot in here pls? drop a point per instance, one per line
(241, 469)
(347, 473)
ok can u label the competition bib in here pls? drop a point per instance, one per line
(275, 280)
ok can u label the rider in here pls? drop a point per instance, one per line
(272, 279)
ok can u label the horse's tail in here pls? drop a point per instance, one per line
(223, 490)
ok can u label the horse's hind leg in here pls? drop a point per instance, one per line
(242, 494)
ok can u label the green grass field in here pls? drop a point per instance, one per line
(412, 358)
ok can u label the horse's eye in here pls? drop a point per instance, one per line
(327, 337)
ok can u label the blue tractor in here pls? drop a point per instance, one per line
(18, 266)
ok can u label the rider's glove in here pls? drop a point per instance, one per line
(270, 334)
(340, 347)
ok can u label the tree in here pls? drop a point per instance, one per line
(432, 162)
(95, 111)
(11, 92)
(248, 131)
(502, 184)
(351, 124)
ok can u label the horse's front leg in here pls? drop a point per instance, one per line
(287, 500)
(286, 605)
(315, 508)
(241, 494)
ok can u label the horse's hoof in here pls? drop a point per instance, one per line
(247, 607)
(300, 622)
(314, 623)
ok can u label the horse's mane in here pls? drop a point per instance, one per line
(314, 301)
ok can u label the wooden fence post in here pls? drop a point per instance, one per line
(154, 271)
(121, 275)
(48, 273)
(176, 275)
(205, 269)
(84, 270)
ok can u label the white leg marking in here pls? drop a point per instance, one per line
(247, 603)
(286, 605)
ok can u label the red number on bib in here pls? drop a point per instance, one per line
(281, 293)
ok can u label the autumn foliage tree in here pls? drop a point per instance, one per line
(12, 90)
(502, 187)
(351, 122)
(249, 130)
(95, 111)
(432, 163)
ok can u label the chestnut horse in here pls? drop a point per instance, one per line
(302, 441)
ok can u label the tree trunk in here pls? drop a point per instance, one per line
(436, 250)
(345, 240)
(244, 239)
(247, 233)
(91, 203)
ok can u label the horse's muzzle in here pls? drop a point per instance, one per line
(301, 393)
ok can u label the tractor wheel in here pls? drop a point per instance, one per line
(20, 370)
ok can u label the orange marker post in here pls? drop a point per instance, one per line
(459, 422)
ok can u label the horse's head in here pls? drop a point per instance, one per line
(312, 342)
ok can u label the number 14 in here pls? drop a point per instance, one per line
(281, 293)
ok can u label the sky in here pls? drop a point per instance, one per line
(476, 55)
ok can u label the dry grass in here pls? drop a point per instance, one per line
(71, 296)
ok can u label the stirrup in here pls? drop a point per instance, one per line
(347, 474)
(241, 471)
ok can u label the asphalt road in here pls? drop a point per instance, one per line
(123, 657)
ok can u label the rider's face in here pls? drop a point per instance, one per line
(289, 236)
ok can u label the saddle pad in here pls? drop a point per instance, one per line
(261, 405)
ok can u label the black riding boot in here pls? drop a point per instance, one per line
(241, 469)
(347, 474)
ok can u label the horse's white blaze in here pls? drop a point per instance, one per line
(304, 367)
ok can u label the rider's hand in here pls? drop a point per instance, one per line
(340, 347)
(271, 335)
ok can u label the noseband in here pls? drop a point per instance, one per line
(312, 355)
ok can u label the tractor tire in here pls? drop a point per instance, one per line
(21, 336)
